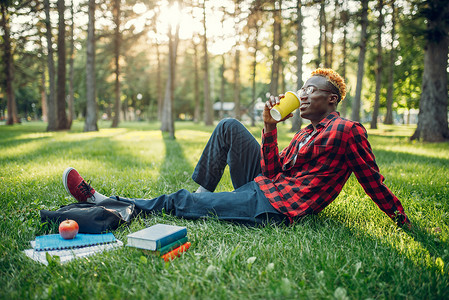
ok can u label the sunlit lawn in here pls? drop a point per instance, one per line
(350, 250)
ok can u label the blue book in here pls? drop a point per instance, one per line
(56, 242)
(157, 236)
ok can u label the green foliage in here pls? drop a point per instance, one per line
(138, 61)
(409, 53)
(410, 64)
(351, 250)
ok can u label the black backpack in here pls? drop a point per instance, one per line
(107, 215)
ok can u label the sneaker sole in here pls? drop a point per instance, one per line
(64, 179)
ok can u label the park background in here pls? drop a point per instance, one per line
(203, 60)
(125, 92)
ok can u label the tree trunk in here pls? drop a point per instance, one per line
(159, 83)
(356, 104)
(61, 91)
(253, 75)
(51, 103)
(222, 85)
(71, 102)
(282, 77)
(433, 105)
(9, 68)
(91, 103)
(325, 35)
(274, 85)
(390, 90)
(124, 108)
(43, 96)
(280, 64)
(332, 32)
(297, 120)
(237, 112)
(167, 122)
(43, 87)
(117, 39)
(196, 85)
(208, 109)
(159, 89)
(320, 39)
(379, 65)
(344, 20)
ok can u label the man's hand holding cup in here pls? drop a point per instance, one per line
(279, 109)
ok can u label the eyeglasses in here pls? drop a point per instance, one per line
(307, 91)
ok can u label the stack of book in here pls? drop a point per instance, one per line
(53, 245)
(167, 241)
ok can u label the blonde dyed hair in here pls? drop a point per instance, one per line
(334, 78)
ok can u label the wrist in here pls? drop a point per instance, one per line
(269, 127)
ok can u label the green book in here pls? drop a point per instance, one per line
(168, 248)
(172, 246)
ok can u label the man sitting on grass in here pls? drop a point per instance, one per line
(270, 185)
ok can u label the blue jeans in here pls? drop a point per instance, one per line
(233, 145)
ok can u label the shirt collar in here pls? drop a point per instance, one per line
(333, 115)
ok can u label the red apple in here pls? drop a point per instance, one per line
(68, 229)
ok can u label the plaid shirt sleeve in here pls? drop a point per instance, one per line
(361, 161)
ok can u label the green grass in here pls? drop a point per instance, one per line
(351, 250)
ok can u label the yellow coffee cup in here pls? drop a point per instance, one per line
(289, 103)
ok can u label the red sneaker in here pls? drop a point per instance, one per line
(77, 187)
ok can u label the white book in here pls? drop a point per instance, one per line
(156, 236)
(67, 255)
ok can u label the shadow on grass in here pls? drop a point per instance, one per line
(422, 181)
(96, 149)
(382, 263)
(174, 174)
(416, 173)
(389, 156)
(15, 142)
(174, 157)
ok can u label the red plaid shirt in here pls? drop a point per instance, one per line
(322, 167)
